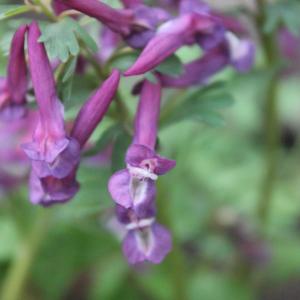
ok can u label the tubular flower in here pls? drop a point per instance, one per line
(14, 166)
(49, 190)
(137, 23)
(146, 240)
(192, 26)
(13, 89)
(239, 53)
(52, 152)
(135, 186)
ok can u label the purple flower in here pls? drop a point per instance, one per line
(146, 240)
(189, 28)
(13, 89)
(109, 41)
(52, 152)
(135, 185)
(241, 52)
(137, 23)
(14, 166)
(235, 52)
(48, 190)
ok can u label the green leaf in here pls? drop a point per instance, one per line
(122, 142)
(151, 77)
(284, 13)
(8, 11)
(202, 105)
(171, 66)
(61, 40)
(85, 37)
(65, 78)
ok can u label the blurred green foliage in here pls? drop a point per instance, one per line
(219, 170)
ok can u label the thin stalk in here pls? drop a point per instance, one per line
(45, 10)
(176, 258)
(17, 275)
(268, 42)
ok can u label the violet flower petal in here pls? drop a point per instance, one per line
(149, 244)
(95, 108)
(51, 190)
(109, 41)
(49, 139)
(13, 91)
(130, 191)
(116, 20)
(119, 188)
(173, 34)
(198, 71)
(147, 115)
(131, 3)
(242, 52)
(17, 70)
(141, 156)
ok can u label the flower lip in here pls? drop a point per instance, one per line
(139, 224)
(141, 173)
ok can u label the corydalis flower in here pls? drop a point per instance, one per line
(135, 186)
(146, 240)
(49, 190)
(137, 23)
(239, 53)
(192, 26)
(13, 89)
(52, 152)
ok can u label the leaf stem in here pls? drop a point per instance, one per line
(176, 258)
(268, 42)
(17, 275)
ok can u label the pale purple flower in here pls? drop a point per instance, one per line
(289, 45)
(239, 53)
(146, 240)
(109, 41)
(13, 88)
(137, 23)
(189, 28)
(14, 165)
(48, 190)
(135, 186)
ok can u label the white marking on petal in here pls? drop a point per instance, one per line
(141, 173)
(238, 49)
(145, 240)
(140, 224)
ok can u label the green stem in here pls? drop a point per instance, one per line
(176, 258)
(45, 10)
(268, 42)
(17, 275)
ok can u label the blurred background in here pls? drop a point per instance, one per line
(223, 247)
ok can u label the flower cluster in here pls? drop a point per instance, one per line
(55, 149)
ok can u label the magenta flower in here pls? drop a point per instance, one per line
(146, 240)
(48, 190)
(239, 53)
(109, 41)
(135, 186)
(189, 28)
(137, 23)
(13, 89)
(52, 152)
